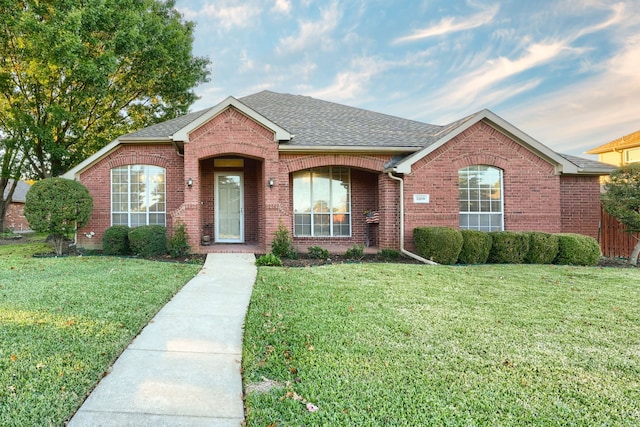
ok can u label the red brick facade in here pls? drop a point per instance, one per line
(535, 196)
(14, 218)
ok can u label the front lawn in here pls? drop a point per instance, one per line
(392, 345)
(63, 321)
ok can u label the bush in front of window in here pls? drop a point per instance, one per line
(282, 245)
(476, 246)
(577, 249)
(148, 240)
(508, 247)
(438, 244)
(116, 240)
(543, 248)
(316, 252)
(179, 242)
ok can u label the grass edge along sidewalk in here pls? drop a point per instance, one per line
(389, 344)
(63, 321)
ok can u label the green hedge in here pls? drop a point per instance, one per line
(576, 249)
(543, 248)
(508, 247)
(148, 240)
(438, 244)
(116, 240)
(475, 247)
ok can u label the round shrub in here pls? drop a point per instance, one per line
(116, 240)
(508, 247)
(438, 244)
(148, 240)
(577, 249)
(59, 207)
(475, 247)
(543, 248)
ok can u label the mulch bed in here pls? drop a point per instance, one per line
(302, 261)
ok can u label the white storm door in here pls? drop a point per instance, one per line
(229, 207)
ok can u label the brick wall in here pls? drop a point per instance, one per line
(531, 187)
(97, 179)
(14, 218)
(580, 197)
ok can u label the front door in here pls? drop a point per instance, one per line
(229, 207)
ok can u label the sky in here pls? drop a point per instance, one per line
(566, 72)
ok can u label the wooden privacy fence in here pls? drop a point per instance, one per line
(614, 242)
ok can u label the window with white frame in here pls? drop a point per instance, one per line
(138, 195)
(480, 198)
(322, 202)
(632, 155)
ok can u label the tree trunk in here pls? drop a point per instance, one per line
(633, 260)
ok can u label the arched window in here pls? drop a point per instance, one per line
(480, 198)
(138, 195)
(322, 202)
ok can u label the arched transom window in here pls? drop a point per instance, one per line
(480, 197)
(138, 195)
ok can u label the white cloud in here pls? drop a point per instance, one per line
(227, 17)
(352, 83)
(452, 24)
(246, 64)
(282, 6)
(312, 33)
(593, 111)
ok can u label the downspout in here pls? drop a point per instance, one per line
(402, 249)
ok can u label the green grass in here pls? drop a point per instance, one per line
(406, 345)
(63, 321)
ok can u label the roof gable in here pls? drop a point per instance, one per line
(628, 141)
(562, 163)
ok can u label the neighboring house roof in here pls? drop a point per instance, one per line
(628, 141)
(20, 193)
(305, 124)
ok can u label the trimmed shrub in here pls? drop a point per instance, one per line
(508, 247)
(577, 249)
(116, 240)
(438, 244)
(356, 253)
(316, 252)
(282, 245)
(269, 260)
(59, 207)
(475, 247)
(543, 248)
(148, 240)
(179, 242)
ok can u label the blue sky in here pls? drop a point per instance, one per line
(567, 72)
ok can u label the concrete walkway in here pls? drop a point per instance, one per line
(184, 367)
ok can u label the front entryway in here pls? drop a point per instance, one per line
(229, 209)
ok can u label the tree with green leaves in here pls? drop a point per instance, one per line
(622, 201)
(75, 75)
(59, 207)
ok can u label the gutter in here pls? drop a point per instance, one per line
(402, 249)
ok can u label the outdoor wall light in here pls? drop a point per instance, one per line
(189, 183)
(271, 182)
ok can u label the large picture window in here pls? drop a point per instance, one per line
(321, 202)
(480, 197)
(138, 195)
